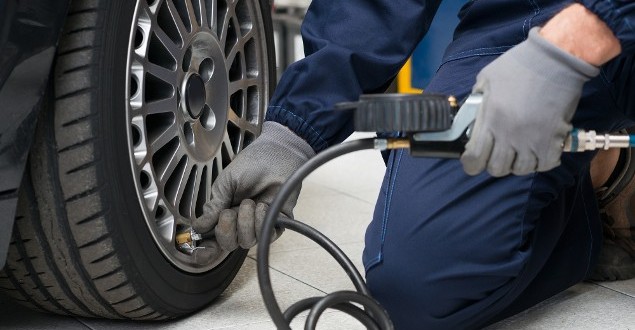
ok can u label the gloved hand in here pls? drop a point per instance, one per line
(246, 187)
(530, 94)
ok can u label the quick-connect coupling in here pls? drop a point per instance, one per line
(392, 143)
(580, 140)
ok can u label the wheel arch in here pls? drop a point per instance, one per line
(30, 45)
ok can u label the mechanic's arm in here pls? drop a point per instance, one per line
(531, 92)
(352, 47)
(583, 34)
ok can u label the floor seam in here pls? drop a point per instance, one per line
(84, 323)
(290, 276)
(317, 247)
(337, 191)
(614, 290)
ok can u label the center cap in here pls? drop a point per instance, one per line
(194, 95)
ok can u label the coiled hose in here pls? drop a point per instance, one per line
(373, 316)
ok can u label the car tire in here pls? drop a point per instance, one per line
(87, 240)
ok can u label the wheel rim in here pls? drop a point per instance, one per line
(197, 88)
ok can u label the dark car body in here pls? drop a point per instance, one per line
(29, 31)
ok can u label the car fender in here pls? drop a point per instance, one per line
(29, 31)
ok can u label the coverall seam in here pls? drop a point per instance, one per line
(303, 121)
(536, 8)
(525, 208)
(392, 178)
(472, 55)
(608, 84)
(391, 189)
(470, 52)
(590, 249)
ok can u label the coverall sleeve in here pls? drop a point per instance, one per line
(619, 15)
(352, 47)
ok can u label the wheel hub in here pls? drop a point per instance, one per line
(194, 92)
(205, 98)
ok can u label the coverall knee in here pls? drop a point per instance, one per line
(450, 251)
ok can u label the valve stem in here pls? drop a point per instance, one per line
(186, 241)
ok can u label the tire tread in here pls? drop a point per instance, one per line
(63, 258)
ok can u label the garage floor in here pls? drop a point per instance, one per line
(338, 200)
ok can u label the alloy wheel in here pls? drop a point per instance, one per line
(197, 88)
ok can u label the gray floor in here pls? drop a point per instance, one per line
(338, 200)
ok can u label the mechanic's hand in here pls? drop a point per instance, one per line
(530, 94)
(246, 187)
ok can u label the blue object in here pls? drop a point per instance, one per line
(429, 53)
(446, 250)
(451, 251)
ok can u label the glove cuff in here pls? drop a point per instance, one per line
(280, 134)
(536, 49)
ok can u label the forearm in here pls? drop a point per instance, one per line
(583, 34)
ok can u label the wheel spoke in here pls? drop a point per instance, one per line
(229, 146)
(251, 128)
(166, 41)
(168, 105)
(180, 26)
(182, 182)
(155, 7)
(218, 161)
(231, 56)
(235, 86)
(208, 182)
(233, 117)
(142, 158)
(166, 136)
(202, 8)
(227, 16)
(143, 6)
(250, 34)
(162, 73)
(191, 13)
(166, 229)
(212, 10)
(175, 157)
(195, 191)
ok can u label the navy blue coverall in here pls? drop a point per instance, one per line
(446, 250)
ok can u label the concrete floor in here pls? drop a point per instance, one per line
(348, 186)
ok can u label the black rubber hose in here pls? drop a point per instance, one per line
(292, 184)
(350, 309)
(345, 263)
(339, 297)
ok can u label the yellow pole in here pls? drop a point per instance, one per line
(404, 79)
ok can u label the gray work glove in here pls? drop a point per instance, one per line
(246, 187)
(530, 94)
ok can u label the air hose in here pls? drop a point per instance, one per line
(382, 113)
(373, 316)
(430, 126)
